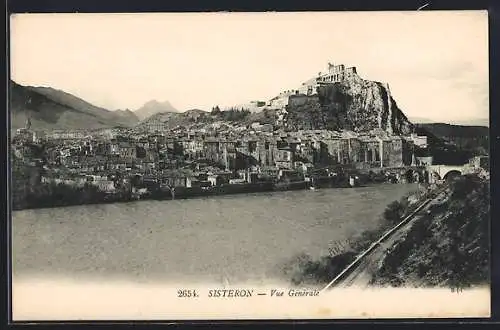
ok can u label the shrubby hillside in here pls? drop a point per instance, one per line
(449, 246)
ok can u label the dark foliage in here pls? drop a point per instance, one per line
(454, 144)
(449, 246)
(302, 269)
(51, 194)
(394, 212)
(232, 114)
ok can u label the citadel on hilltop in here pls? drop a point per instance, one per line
(335, 74)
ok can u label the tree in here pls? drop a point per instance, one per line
(215, 110)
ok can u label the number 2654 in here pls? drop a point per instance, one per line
(185, 293)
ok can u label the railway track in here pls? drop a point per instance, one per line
(360, 258)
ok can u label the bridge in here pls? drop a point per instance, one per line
(446, 172)
(430, 173)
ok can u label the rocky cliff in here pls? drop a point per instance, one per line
(354, 104)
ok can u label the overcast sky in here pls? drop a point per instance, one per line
(436, 63)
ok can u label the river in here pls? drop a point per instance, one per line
(232, 238)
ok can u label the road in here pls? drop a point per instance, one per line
(360, 274)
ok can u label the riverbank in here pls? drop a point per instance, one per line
(445, 245)
(304, 270)
(48, 195)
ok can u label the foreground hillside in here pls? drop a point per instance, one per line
(49, 108)
(447, 247)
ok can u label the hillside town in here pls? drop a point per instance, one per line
(196, 158)
(240, 157)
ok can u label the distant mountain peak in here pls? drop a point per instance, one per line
(154, 102)
(153, 107)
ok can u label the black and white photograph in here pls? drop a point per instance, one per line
(250, 165)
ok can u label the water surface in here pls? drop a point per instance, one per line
(234, 237)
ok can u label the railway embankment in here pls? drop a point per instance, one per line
(437, 237)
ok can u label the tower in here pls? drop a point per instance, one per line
(331, 67)
(27, 125)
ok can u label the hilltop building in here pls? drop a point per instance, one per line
(334, 74)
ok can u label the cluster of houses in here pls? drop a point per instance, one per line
(190, 158)
(314, 148)
(215, 153)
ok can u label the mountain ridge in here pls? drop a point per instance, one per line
(50, 108)
(478, 122)
(355, 104)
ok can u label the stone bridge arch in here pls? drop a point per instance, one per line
(452, 174)
(444, 172)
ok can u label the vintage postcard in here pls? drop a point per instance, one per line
(209, 166)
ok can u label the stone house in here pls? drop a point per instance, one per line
(393, 152)
(419, 140)
(266, 150)
(337, 151)
(127, 150)
(480, 162)
(102, 182)
(423, 160)
(290, 175)
(174, 180)
(192, 147)
(371, 151)
(221, 151)
(284, 158)
(114, 147)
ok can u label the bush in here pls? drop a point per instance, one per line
(302, 269)
(394, 212)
